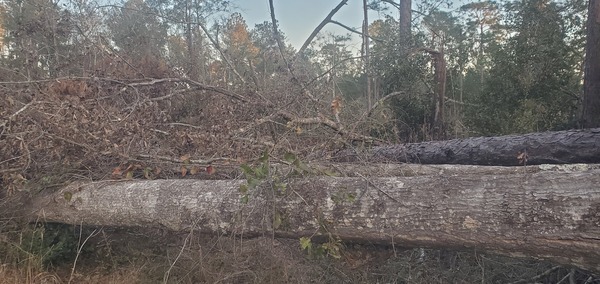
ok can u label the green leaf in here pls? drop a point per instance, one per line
(244, 199)
(244, 188)
(330, 173)
(248, 171)
(68, 195)
(305, 243)
(253, 183)
(289, 157)
(333, 249)
(147, 172)
(281, 186)
(351, 197)
(319, 251)
(262, 171)
(301, 167)
(265, 157)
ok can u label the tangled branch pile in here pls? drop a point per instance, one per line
(100, 128)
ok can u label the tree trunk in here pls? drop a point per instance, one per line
(192, 71)
(366, 54)
(439, 124)
(559, 147)
(591, 84)
(550, 212)
(405, 19)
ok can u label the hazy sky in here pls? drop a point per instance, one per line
(298, 18)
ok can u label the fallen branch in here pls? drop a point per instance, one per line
(292, 120)
(196, 84)
(191, 161)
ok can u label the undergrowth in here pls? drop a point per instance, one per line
(54, 254)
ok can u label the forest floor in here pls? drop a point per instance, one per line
(53, 253)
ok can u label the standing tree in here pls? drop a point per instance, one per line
(366, 52)
(591, 85)
(405, 19)
(239, 48)
(531, 79)
(481, 17)
(138, 33)
(38, 35)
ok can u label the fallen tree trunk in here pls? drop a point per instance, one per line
(550, 212)
(559, 147)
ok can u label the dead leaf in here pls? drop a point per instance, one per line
(523, 157)
(336, 105)
(194, 170)
(183, 171)
(210, 170)
(117, 172)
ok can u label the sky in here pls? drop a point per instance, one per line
(298, 18)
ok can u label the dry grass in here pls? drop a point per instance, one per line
(144, 256)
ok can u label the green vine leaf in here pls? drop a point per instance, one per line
(305, 243)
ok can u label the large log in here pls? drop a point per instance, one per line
(548, 211)
(559, 147)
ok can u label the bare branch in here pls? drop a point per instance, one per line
(396, 5)
(460, 103)
(20, 110)
(255, 124)
(280, 44)
(333, 68)
(281, 51)
(184, 125)
(175, 160)
(369, 182)
(376, 105)
(356, 32)
(320, 26)
(380, 101)
(327, 122)
(221, 52)
(537, 277)
(215, 89)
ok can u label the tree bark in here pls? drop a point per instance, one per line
(559, 147)
(439, 63)
(367, 54)
(591, 84)
(405, 20)
(550, 212)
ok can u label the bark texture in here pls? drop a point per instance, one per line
(548, 211)
(559, 147)
(591, 81)
(405, 19)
